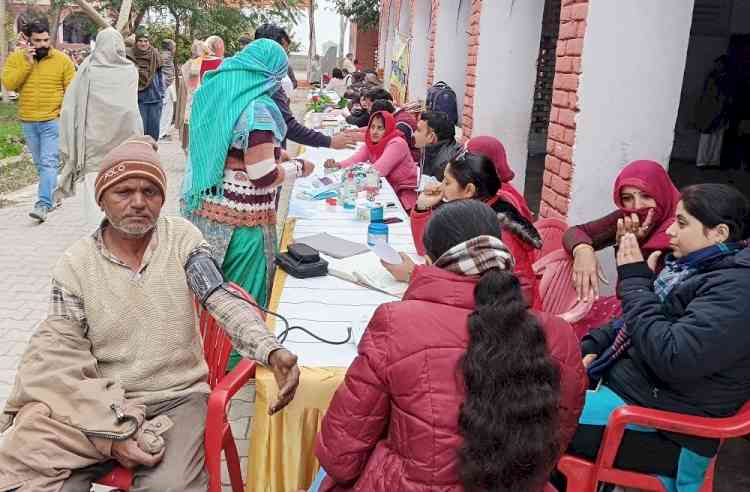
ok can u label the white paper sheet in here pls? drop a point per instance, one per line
(386, 253)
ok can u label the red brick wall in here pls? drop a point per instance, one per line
(367, 48)
(558, 165)
(471, 68)
(432, 37)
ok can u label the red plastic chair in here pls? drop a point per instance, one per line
(556, 291)
(584, 476)
(552, 230)
(554, 268)
(217, 347)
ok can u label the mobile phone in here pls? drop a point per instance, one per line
(392, 220)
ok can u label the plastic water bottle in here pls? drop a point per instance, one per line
(372, 183)
(349, 197)
(377, 232)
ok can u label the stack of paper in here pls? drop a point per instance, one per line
(365, 269)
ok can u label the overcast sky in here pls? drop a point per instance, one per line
(326, 27)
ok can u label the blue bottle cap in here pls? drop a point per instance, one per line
(378, 228)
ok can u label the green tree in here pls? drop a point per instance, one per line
(184, 20)
(365, 13)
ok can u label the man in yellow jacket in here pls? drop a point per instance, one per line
(40, 74)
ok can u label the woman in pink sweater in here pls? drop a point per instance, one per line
(387, 150)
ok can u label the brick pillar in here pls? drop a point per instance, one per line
(471, 68)
(432, 38)
(558, 165)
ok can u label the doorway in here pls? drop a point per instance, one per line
(712, 131)
(542, 104)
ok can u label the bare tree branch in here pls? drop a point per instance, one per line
(124, 15)
(92, 13)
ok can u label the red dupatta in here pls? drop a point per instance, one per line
(651, 178)
(494, 150)
(376, 149)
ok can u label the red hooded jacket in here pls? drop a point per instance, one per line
(520, 238)
(393, 424)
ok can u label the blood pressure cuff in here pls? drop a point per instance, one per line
(203, 274)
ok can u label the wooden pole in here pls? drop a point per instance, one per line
(124, 15)
(312, 50)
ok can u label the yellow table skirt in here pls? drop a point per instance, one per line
(281, 457)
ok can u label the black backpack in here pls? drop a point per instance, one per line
(440, 97)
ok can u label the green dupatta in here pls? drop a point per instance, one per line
(250, 77)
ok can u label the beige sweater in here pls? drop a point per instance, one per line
(142, 327)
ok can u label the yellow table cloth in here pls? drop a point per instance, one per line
(281, 455)
(281, 450)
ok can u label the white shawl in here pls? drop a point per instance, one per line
(99, 111)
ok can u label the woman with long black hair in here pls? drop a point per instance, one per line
(458, 386)
(475, 176)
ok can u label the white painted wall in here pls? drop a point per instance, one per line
(633, 61)
(419, 50)
(506, 73)
(452, 45)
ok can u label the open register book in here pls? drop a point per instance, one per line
(365, 269)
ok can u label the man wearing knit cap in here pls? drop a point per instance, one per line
(120, 344)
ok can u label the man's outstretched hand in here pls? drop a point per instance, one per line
(283, 363)
(343, 140)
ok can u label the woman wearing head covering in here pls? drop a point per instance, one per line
(494, 150)
(214, 55)
(191, 71)
(99, 112)
(229, 190)
(389, 153)
(682, 343)
(166, 55)
(150, 83)
(474, 177)
(646, 200)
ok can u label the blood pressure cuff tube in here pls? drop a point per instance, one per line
(204, 276)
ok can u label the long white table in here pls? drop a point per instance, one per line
(328, 305)
(281, 448)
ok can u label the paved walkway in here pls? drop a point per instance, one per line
(29, 250)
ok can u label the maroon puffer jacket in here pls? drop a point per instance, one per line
(393, 424)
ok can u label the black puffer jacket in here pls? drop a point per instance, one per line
(436, 156)
(690, 354)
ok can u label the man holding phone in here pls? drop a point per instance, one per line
(40, 74)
